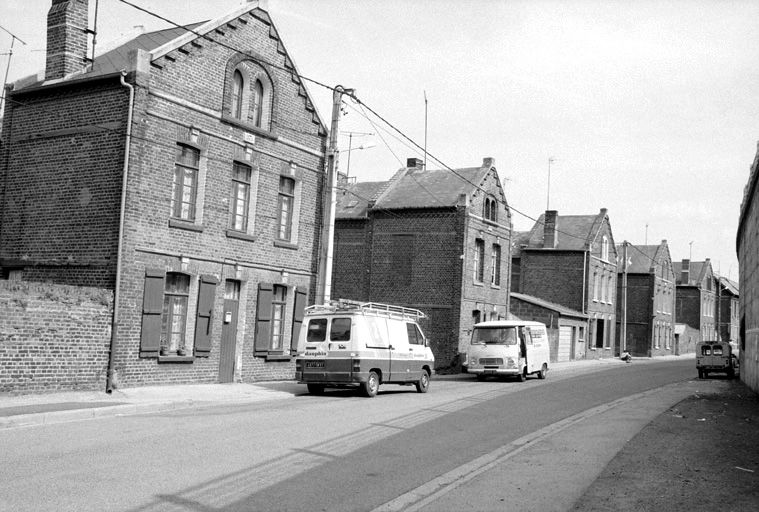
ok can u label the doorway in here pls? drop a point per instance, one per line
(229, 330)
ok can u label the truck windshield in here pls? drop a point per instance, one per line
(495, 335)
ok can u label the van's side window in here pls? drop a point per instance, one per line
(317, 329)
(340, 330)
(415, 336)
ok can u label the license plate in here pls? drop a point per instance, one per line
(314, 364)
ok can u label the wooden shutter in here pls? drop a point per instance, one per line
(203, 322)
(263, 318)
(152, 308)
(300, 305)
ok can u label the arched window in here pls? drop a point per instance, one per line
(605, 249)
(237, 94)
(490, 209)
(258, 97)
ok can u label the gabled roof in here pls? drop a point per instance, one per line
(574, 232)
(728, 285)
(642, 258)
(353, 200)
(549, 305)
(162, 42)
(418, 188)
(414, 188)
(698, 270)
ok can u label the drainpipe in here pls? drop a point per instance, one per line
(125, 174)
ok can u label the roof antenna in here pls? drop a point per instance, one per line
(425, 130)
(8, 66)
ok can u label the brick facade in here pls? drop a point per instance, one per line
(571, 261)
(69, 140)
(424, 257)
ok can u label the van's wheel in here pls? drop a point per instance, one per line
(522, 376)
(371, 386)
(701, 374)
(543, 371)
(423, 384)
(481, 377)
(731, 373)
(315, 389)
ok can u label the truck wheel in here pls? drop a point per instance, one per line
(315, 389)
(371, 386)
(423, 384)
(543, 371)
(701, 374)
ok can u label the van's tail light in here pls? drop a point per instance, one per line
(356, 366)
(299, 365)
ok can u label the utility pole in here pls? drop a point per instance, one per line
(324, 282)
(624, 296)
(8, 66)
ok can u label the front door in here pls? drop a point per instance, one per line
(229, 331)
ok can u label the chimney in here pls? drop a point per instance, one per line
(66, 38)
(685, 274)
(415, 163)
(550, 236)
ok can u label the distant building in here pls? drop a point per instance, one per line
(183, 170)
(519, 240)
(649, 297)
(747, 245)
(728, 312)
(696, 298)
(571, 260)
(435, 240)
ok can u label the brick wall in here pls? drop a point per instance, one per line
(53, 337)
(556, 276)
(62, 183)
(748, 260)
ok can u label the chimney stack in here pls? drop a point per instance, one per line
(685, 274)
(67, 36)
(550, 237)
(415, 163)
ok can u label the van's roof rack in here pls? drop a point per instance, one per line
(366, 308)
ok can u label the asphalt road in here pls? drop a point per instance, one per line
(333, 452)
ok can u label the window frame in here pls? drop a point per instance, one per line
(178, 186)
(237, 95)
(235, 199)
(282, 197)
(495, 260)
(278, 306)
(479, 260)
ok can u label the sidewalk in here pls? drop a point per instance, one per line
(59, 407)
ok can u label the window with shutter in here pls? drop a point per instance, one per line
(263, 318)
(152, 308)
(204, 321)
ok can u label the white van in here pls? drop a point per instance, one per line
(508, 348)
(353, 344)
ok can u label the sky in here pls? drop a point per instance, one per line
(646, 108)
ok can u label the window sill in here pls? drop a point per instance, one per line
(240, 235)
(495, 286)
(285, 245)
(278, 357)
(183, 224)
(175, 359)
(478, 283)
(249, 127)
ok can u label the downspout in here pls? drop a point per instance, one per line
(125, 173)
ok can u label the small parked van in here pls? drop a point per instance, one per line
(353, 344)
(508, 348)
(716, 356)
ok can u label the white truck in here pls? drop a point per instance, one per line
(363, 345)
(508, 348)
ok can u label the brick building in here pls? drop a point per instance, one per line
(696, 298)
(438, 241)
(650, 299)
(728, 309)
(566, 328)
(571, 260)
(747, 247)
(184, 171)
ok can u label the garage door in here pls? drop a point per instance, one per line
(565, 341)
